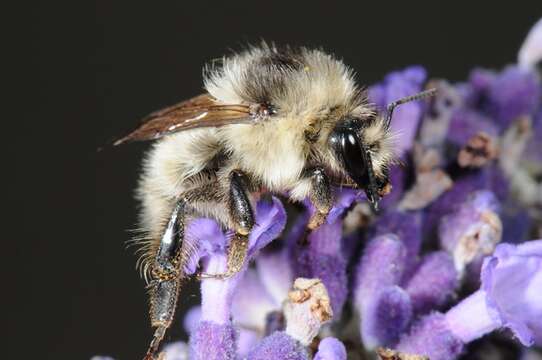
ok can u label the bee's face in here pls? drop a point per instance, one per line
(356, 145)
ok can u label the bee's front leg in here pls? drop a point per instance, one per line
(242, 216)
(321, 197)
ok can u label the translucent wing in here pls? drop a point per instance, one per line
(200, 111)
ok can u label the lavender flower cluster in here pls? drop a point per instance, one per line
(448, 259)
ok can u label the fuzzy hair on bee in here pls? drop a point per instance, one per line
(288, 121)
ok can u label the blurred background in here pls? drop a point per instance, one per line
(86, 72)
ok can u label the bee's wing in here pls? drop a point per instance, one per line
(200, 111)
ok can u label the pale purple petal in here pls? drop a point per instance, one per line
(192, 318)
(510, 296)
(276, 274)
(178, 350)
(530, 52)
(208, 236)
(512, 280)
(246, 341)
(330, 348)
(252, 302)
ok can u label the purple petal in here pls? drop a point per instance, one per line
(330, 348)
(433, 283)
(344, 199)
(212, 341)
(431, 337)
(385, 317)
(278, 346)
(270, 221)
(210, 239)
(512, 280)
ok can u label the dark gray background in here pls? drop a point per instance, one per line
(82, 73)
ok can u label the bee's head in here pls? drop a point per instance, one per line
(363, 149)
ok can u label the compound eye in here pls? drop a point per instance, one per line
(356, 161)
(350, 152)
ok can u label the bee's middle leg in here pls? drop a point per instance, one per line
(242, 216)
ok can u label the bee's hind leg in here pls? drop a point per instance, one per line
(242, 216)
(166, 277)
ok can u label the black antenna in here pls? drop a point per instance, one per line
(421, 95)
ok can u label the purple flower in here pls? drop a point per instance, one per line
(407, 116)
(330, 348)
(510, 297)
